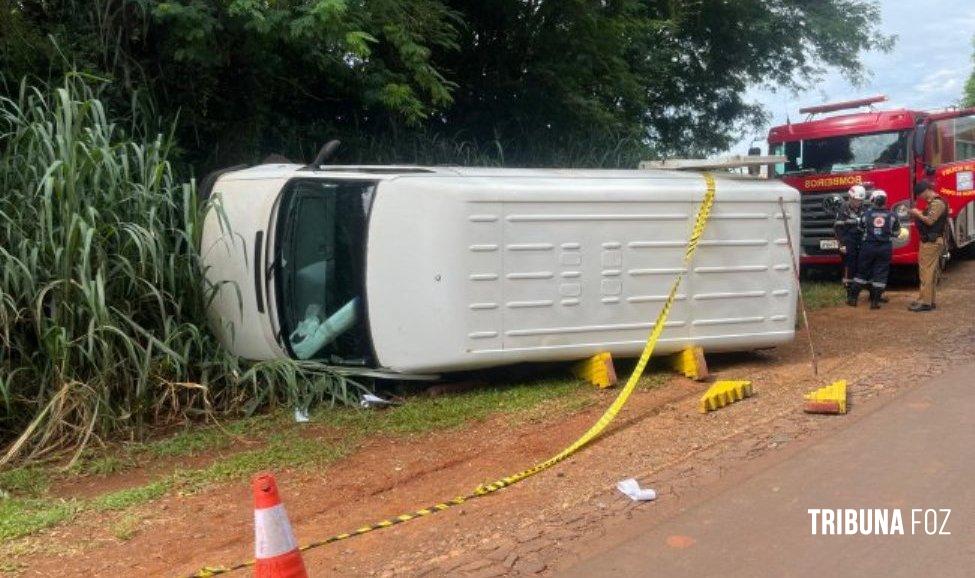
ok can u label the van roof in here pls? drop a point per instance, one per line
(386, 172)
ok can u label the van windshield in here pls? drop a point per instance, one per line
(320, 269)
(843, 153)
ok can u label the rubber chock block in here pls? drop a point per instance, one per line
(829, 399)
(597, 370)
(724, 393)
(690, 363)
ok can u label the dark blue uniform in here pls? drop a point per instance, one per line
(879, 226)
(850, 235)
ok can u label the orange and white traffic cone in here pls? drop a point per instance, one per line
(275, 547)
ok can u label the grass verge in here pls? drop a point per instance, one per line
(422, 415)
(281, 444)
(20, 517)
(822, 294)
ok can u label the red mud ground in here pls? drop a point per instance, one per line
(549, 520)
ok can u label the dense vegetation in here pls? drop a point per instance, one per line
(101, 302)
(109, 107)
(528, 82)
(969, 97)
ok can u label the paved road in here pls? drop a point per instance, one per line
(918, 451)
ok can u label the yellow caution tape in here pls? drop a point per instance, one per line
(703, 213)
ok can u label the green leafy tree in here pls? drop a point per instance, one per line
(673, 72)
(519, 81)
(246, 75)
(969, 98)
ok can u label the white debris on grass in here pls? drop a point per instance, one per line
(369, 400)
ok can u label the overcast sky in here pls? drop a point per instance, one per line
(927, 68)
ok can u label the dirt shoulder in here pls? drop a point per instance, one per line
(546, 522)
(906, 456)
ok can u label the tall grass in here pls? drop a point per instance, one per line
(593, 150)
(101, 296)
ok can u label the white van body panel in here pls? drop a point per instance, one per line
(476, 267)
(495, 267)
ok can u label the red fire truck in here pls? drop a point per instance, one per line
(890, 149)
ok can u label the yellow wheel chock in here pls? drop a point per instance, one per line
(724, 393)
(690, 363)
(597, 370)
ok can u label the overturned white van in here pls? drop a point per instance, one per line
(429, 270)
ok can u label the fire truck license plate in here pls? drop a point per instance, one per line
(829, 244)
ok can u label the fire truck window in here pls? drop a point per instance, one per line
(932, 145)
(964, 138)
(951, 140)
(954, 140)
(793, 152)
(847, 153)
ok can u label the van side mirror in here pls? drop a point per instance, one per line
(754, 170)
(325, 153)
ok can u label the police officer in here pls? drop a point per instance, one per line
(849, 236)
(931, 225)
(879, 225)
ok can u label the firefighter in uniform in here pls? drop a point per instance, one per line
(849, 236)
(880, 225)
(931, 227)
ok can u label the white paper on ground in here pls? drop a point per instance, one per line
(301, 415)
(370, 400)
(632, 488)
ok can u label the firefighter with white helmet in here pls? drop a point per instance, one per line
(880, 226)
(849, 235)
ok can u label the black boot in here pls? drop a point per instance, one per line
(875, 294)
(853, 293)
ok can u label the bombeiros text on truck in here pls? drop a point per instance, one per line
(889, 149)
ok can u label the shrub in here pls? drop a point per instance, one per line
(101, 298)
